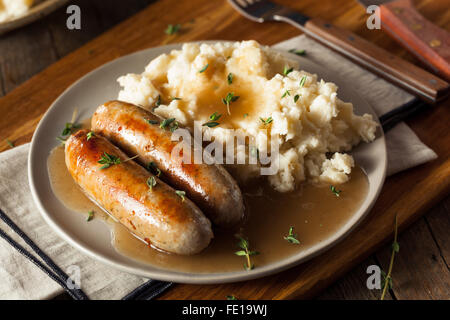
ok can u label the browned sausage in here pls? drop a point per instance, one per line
(158, 215)
(137, 132)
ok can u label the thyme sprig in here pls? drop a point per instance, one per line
(10, 143)
(246, 252)
(266, 121)
(108, 160)
(229, 99)
(204, 68)
(72, 125)
(292, 237)
(170, 123)
(213, 120)
(90, 215)
(151, 182)
(387, 283)
(90, 135)
(153, 168)
(298, 52)
(302, 81)
(172, 29)
(230, 78)
(286, 93)
(287, 70)
(336, 192)
(181, 194)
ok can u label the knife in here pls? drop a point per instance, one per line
(418, 81)
(422, 38)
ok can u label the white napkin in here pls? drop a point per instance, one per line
(20, 279)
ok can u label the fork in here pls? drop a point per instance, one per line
(390, 67)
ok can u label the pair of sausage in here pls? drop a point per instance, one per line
(159, 215)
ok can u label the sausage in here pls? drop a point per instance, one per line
(137, 132)
(158, 215)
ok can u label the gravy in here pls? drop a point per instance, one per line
(314, 211)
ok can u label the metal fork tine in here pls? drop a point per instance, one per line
(256, 10)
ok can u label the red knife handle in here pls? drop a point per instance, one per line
(424, 39)
(390, 67)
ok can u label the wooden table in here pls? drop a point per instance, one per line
(421, 269)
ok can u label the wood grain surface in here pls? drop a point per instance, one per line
(422, 267)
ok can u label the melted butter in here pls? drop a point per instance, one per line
(314, 211)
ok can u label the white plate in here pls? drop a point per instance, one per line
(36, 12)
(94, 239)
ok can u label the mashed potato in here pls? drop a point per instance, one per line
(312, 126)
(11, 9)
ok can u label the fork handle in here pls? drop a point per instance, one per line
(419, 82)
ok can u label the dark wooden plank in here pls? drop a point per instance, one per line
(419, 271)
(23, 53)
(438, 220)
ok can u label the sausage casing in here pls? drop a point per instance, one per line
(137, 131)
(157, 215)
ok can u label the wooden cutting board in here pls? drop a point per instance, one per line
(408, 194)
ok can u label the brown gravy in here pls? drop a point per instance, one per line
(314, 211)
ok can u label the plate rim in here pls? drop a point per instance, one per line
(34, 13)
(189, 277)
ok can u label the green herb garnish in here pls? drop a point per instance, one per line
(62, 140)
(292, 237)
(296, 98)
(211, 124)
(151, 182)
(286, 93)
(336, 192)
(266, 121)
(174, 126)
(69, 128)
(90, 215)
(298, 52)
(108, 160)
(172, 29)
(181, 194)
(230, 78)
(158, 102)
(204, 68)
(89, 135)
(387, 278)
(152, 121)
(231, 297)
(228, 99)
(287, 70)
(215, 116)
(166, 123)
(302, 81)
(153, 168)
(246, 252)
(245, 115)
(213, 120)
(10, 143)
(175, 98)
